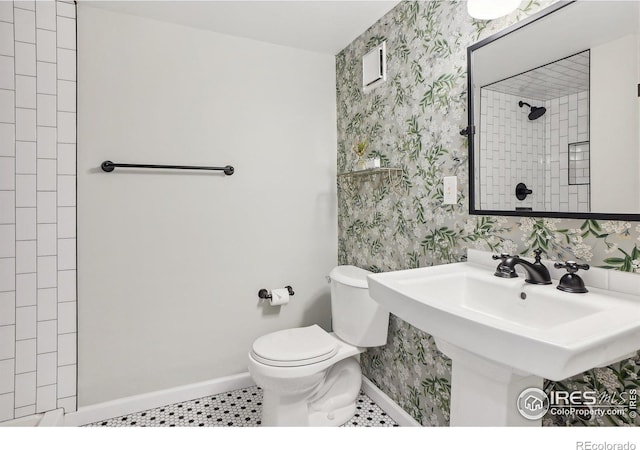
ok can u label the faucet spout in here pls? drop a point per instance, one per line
(537, 273)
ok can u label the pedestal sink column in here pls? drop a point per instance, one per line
(485, 393)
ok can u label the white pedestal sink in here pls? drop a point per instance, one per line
(484, 393)
(504, 335)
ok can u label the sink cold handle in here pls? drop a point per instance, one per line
(571, 281)
(571, 266)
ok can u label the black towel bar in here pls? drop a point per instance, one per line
(109, 166)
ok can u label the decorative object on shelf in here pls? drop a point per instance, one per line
(372, 163)
(360, 149)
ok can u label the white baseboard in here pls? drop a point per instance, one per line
(129, 405)
(394, 411)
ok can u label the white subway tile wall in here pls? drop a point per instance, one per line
(513, 151)
(567, 112)
(37, 207)
(516, 149)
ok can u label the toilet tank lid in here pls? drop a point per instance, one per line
(350, 275)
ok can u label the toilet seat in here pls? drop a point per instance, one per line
(294, 347)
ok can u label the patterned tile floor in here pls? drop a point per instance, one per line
(239, 408)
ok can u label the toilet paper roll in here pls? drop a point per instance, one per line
(279, 297)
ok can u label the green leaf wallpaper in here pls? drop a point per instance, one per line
(412, 122)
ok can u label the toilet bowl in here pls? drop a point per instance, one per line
(316, 390)
(311, 377)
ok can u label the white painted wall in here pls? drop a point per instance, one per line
(171, 262)
(615, 115)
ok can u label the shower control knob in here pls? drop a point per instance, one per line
(522, 191)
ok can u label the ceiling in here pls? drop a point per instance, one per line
(558, 79)
(324, 26)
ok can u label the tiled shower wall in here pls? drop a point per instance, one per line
(37, 207)
(512, 148)
(533, 152)
(567, 122)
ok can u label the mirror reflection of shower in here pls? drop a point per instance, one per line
(536, 111)
(527, 125)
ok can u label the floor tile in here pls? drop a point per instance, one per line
(238, 408)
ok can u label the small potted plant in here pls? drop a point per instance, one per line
(360, 149)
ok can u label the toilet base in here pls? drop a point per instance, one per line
(294, 412)
(326, 399)
(284, 411)
(335, 418)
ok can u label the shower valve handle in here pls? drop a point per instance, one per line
(522, 191)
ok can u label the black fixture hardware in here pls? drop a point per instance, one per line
(524, 208)
(108, 166)
(265, 294)
(475, 208)
(537, 273)
(522, 191)
(571, 281)
(501, 270)
(469, 131)
(536, 111)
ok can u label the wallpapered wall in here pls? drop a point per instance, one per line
(413, 122)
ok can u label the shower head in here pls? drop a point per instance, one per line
(536, 111)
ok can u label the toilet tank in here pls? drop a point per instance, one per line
(356, 317)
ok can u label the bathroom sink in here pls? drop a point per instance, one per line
(533, 328)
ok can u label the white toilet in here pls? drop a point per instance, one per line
(311, 377)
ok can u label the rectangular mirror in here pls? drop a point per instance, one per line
(554, 114)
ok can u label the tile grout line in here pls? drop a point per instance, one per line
(37, 257)
(75, 204)
(15, 202)
(57, 337)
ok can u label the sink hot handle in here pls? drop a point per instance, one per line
(571, 281)
(501, 256)
(503, 271)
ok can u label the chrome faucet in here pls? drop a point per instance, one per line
(537, 273)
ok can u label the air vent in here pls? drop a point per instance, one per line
(374, 67)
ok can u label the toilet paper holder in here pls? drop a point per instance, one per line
(265, 294)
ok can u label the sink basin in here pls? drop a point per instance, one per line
(511, 327)
(549, 333)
